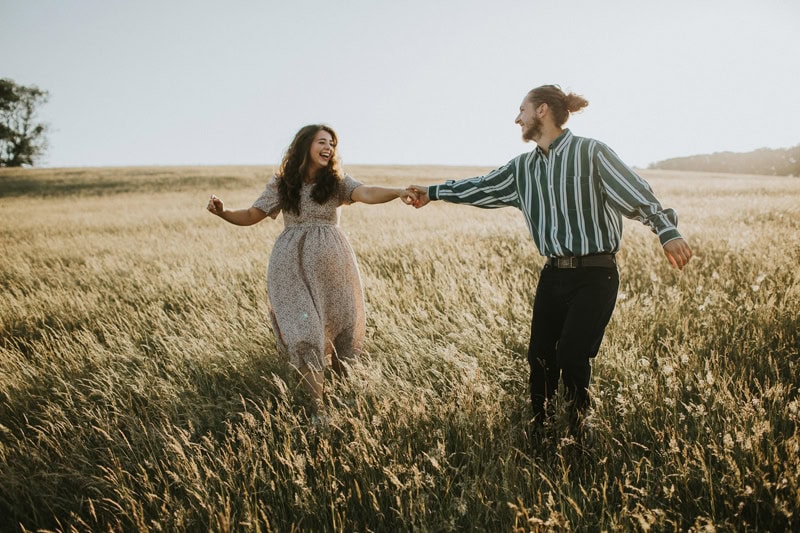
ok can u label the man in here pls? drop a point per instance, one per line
(573, 192)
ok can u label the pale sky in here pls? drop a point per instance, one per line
(200, 82)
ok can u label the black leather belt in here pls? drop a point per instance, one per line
(594, 260)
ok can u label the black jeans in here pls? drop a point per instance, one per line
(571, 310)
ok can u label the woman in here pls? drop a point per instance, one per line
(315, 296)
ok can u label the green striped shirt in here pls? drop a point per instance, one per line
(573, 198)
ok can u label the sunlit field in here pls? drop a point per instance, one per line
(141, 390)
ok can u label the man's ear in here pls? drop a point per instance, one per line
(542, 110)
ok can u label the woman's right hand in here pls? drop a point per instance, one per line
(215, 205)
(422, 195)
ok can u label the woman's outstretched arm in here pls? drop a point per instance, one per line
(240, 217)
(370, 194)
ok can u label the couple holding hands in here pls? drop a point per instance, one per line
(573, 192)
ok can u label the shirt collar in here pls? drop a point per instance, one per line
(559, 143)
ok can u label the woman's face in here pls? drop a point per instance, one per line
(321, 151)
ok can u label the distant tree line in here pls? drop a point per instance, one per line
(767, 161)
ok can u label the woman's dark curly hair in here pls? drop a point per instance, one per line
(293, 168)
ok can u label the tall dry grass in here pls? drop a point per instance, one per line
(140, 388)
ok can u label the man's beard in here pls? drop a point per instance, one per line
(532, 132)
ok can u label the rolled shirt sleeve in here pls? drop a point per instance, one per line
(496, 189)
(633, 197)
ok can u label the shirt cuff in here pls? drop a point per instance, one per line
(433, 192)
(669, 235)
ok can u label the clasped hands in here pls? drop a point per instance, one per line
(416, 195)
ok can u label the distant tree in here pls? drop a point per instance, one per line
(764, 161)
(22, 137)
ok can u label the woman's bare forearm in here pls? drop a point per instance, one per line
(373, 194)
(243, 217)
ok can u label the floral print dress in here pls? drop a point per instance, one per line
(314, 286)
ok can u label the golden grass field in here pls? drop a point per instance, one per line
(140, 387)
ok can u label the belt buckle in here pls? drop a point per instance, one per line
(566, 262)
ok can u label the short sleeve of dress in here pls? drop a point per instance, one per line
(268, 202)
(348, 185)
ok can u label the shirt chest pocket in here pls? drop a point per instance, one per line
(578, 193)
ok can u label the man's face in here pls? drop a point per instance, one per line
(529, 121)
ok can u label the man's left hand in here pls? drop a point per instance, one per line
(678, 253)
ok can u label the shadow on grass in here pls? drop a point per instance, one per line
(49, 183)
(64, 435)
